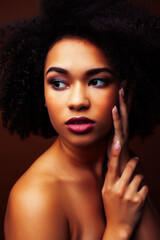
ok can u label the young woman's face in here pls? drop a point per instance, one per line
(80, 91)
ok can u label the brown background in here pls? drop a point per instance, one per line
(16, 155)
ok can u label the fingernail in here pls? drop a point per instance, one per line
(117, 145)
(137, 158)
(122, 92)
(115, 109)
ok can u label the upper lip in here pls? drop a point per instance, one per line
(79, 120)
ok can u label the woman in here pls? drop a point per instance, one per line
(90, 73)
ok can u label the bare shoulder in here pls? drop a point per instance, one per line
(35, 209)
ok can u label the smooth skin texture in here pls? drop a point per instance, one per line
(64, 194)
(80, 92)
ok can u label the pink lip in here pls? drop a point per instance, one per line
(80, 124)
(79, 120)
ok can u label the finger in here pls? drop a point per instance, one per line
(143, 192)
(134, 185)
(140, 197)
(127, 174)
(117, 124)
(123, 111)
(113, 164)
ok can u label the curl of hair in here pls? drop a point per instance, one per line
(129, 37)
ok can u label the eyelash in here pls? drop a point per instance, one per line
(52, 82)
(105, 82)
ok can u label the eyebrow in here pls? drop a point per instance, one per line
(89, 72)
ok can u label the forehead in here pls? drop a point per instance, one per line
(75, 50)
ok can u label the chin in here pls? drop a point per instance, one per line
(86, 140)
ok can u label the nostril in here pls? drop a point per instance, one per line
(78, 100)
(79, 107)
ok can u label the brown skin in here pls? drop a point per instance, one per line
(64, 195)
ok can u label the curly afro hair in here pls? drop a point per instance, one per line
(128, 36)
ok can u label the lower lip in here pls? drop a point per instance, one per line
(80, 128)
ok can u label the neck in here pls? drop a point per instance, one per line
(90, 157)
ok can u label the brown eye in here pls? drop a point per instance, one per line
(58, 84)
(99, 82)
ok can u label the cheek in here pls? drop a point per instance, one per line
(56, 105)
(104, 106)
(104, 114)
(52, 106)
(106, 101)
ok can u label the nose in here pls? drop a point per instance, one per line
(78, 99)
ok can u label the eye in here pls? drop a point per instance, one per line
(99, 82)
(58, 84)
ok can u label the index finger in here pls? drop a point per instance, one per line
(123, 111)
(113, 164)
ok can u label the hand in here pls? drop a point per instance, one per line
(121, 129)
(122, 198)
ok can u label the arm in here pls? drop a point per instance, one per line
(123, 201)
(32, 213)
(149, 224)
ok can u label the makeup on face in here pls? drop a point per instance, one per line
(80, 124)
(80, 91)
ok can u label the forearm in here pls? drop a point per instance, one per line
(149, 226)
(116, 235)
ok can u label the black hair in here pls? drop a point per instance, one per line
(129, 37)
